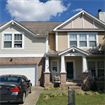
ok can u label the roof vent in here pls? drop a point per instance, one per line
(99, 10)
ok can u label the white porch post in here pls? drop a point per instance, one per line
(63, 64)
(47, 65)
(84, 64)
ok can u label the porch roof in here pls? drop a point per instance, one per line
(89, 52)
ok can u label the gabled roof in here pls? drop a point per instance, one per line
(33, 27)
(81, 12)
(73, 49)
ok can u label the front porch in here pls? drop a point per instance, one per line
(71, 68)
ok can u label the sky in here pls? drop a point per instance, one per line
(46, 10)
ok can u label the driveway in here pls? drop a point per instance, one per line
(32, 98)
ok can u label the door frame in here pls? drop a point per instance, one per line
(74, 71)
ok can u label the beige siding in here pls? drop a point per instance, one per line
(62, 41)
(101, 40)
(32, 45)
(52, 41)
(77, 22)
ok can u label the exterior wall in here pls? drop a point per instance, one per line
(52, 41)
(28, 61)
(101, 40)
(78, 23)
(62, 41)
(32, 45)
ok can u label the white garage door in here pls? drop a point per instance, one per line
(29, 71)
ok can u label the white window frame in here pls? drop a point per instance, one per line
(13, 33)
(57, 65)
(96, 69)
(87, 35)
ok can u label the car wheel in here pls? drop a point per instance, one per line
(30, 89)
(23, 98)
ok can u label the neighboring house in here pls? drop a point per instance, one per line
(73, 49)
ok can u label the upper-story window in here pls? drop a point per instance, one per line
(83, 40)
(92, 40)
(13, 40)
(73, 40)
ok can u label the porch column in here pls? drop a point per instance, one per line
(85, 78)
(63, 73)
(47, 65)
(84, 64)
(47, 73)
(63, 64)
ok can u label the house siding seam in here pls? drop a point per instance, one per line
(40, 61)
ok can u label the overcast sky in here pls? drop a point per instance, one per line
(46, 10)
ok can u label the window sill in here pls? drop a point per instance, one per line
(12, 48)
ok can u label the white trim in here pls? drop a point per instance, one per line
(82, 30)
(46, 44)
(72, 24)
(74, 69)
(18, 25)
(84, 64)
(93, 24)
(87, 34)
(68, 40)
(84, 12)
(82, 21)
(63, 69)
(72, 49)
(21, 55)
(2, 47)
(56, 41)
(47, 65)
(73, 54)
(57, 65)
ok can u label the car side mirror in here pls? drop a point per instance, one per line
(28, 81)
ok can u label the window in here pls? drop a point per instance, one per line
(73, 40)
(13, 40)
(54, 66)
(92, 40)
(82, 40)
(100, 68)
(7, 40)
(18, 41)
(96, 68)
(91, 67)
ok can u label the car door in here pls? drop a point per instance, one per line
(25, 86)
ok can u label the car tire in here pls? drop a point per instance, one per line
(23, 98)
(30, 89)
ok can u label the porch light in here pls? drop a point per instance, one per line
(71, 96)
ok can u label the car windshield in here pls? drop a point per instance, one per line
(10, 79)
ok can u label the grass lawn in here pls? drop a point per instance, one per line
(80, 100)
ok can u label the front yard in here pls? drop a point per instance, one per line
(62, 99)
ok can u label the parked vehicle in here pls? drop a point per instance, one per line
(14, 88)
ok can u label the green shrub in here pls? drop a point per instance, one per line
(59, 94)
(88, 93)
(81, 93)
(46, 96)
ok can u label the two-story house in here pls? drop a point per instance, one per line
(71, 50)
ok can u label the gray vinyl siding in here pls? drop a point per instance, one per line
(32, 45)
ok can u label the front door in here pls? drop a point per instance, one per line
(69, 68)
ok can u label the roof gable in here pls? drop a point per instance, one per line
(81, 20)
(73, 49)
